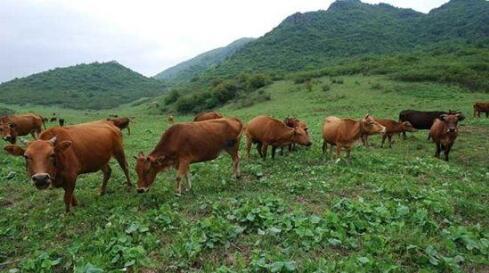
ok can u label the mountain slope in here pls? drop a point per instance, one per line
(187, 70)
(83, 86)
(352, 28)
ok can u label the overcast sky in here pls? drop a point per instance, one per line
(146, 36)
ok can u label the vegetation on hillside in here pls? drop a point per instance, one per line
(84, 86)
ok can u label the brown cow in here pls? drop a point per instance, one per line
(186, 143)
(207, 115)
(481, 107)
(62, 153)
(121, 123)
(14, 126)
(265, 131)
(293, 123)
(343, 133)
(391, 127)
(444, 132)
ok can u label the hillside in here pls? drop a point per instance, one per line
(83, 86)
(187, 70)
(352, 28)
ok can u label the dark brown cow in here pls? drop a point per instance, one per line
(121, 123)
(12, 127)
(186, 143)
(392, 127)
(343, 133)
(295, 123)
(444, 132)
(481, 107)
(62, 153)
(265, 131)
(207, 115)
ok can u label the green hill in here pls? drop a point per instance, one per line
(352, 28)
(83, 86)
(190, 69)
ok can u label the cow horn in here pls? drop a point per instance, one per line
(53, 140)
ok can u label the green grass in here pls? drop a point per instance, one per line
(390, 210)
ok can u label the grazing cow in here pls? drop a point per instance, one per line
(20, 125)
(62, 153)
(391, 127)
(444, 132)
(343, 133)
(121, 123)
(207, 115)
(481, 107)
(293, 123)
(186, 143)
(265, 131)
(423, 120)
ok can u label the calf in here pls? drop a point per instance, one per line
(207, 115)
(391, 127)
(481, 107)
(62, 153)
(121, 123)
(266, 131)
(444, 132)
(343, 133)
(186, 143)
(20, 125)
(294, 123)
(423, 120)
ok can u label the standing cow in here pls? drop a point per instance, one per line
(267, 131)
(343, 133)
(444, 132)
(207, 115)
(481, 107)
(186, 143)
(62, 153)
(12, 127)
(295, 123)
(392, 127)
(423, 120)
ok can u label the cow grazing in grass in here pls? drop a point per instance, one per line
(14, 126)
(423, 120)
(343, 133)
(266, 131)
(481, 107)
(207, 115)
(62, 153)
(444, 132)
(392, 127)
(295, 123)
(186, 143)
(121, 123)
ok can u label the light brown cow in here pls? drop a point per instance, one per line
(207, 115)
(121, 123)
(186, 143)
(444, 132)
(265, 131)
(14, 126)
(295, 123)
(481, 107)
(62, 153)
(343, 133)
(392, 127)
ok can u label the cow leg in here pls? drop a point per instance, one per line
(128, 131)
(181, 173)
(189, 182)
(264, 149)
(438, 150)
(487, 115)
(338, 150)
(68, 197)
(325, 146)
(258, 148)
(248, 146)
(107, 173)
(121, 159)
(429, 136)
(234, 153)
(390, 141)
(448, 147)
(384, 136)
(274, 148)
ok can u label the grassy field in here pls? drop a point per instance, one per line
(390, 210)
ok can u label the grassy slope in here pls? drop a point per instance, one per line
(392, 208)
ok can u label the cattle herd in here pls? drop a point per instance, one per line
(58, 155)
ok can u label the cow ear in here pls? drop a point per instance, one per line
(14, 150)
(443, 117)
(61, 147)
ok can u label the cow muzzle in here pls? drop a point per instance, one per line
(41, 180)
(451, 130)
(142, 190)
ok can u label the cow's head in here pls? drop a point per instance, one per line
(451, 122)
(370, 126)
(300, 136)
(8, 132)
(147, 167)
(41, 157)
(406, 126)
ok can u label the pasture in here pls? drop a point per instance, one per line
(390, 210)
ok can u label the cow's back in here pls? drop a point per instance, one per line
(336, 130)
(420, 119)
(265, 128)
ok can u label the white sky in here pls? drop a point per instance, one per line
(144, 35)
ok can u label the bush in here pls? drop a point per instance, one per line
(326, 87)
(172, 97)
